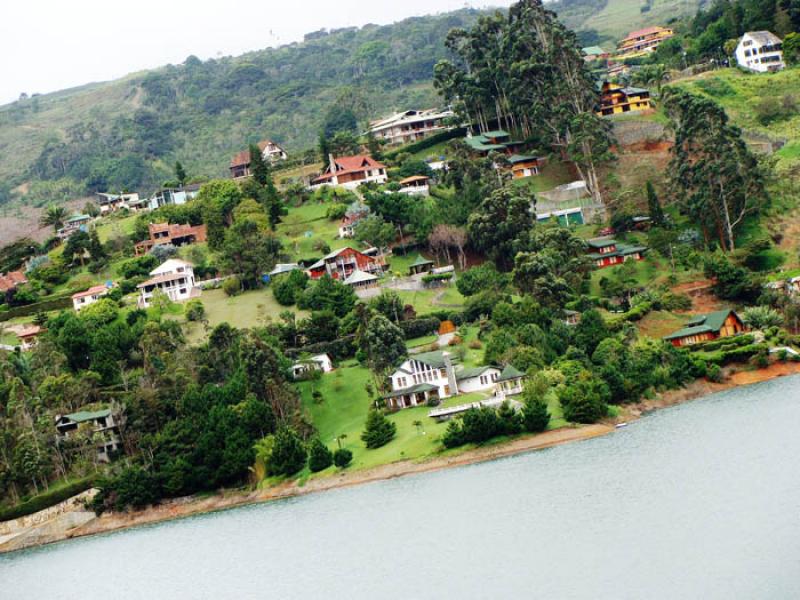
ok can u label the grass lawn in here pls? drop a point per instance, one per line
(243, 311)
(421, 341)
(552, 175)
(659, 323)
(306, 225)
(426, 302)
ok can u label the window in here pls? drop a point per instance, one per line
(443, 373)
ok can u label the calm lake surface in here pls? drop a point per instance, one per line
(696, 501)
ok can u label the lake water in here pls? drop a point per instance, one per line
(696, 501)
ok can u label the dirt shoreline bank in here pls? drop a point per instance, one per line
(186, 507)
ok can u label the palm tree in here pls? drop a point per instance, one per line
(54, 215)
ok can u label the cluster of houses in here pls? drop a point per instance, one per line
(521, 164)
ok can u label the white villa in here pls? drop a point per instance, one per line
(434, 374)
(113, 202)
(760, 51)
(83, 299)
(170, 196)
(321, 362)
(174, 278)
(410, 126)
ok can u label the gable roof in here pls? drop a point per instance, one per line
(764, 38)
(414, 389)
(473, 372)
(421, 262)
(350, 164)
(643, 32)
(413, 179)
(709, 323)
(601, 242)
(510, 373)
(359, 277)
(593, 50)
(170, 266)
(242, 159)
(98, 289)
(432, 359)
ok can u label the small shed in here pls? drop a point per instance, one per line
(420, 265)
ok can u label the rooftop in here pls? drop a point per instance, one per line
(98, 289)
(83, 415)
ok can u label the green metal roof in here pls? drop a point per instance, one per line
(74, 218)
(518, 158)
(710, 323)
(471, 373)
(498, 133)
(432, 359)
(83, 416)
(603, 242)
(414, 389)
(510, 373)
(593, 50)
(421, 262)
(481, 144)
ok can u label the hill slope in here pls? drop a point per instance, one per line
(129, 132)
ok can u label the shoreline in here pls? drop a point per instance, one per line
(193, 505)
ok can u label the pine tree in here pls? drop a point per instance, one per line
(535, 416)
(654, 206)
(288, 454)
(180, 173)
(378, 430)
(319, 457)
(259, 168)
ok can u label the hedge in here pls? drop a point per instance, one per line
(739, 354)
(417, 328)
(46, 499)
(428, 142)
(340, 349)
(724, 344)
(32, 309)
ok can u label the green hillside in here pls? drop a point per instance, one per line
(129, 132)
(606, 21)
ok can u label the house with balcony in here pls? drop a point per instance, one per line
(418, 185)
(643, 41)
(102, 425)
(166, 233)
(760, 51)
(174, 279)
(341, 264)
(410, 126)
(608, 252)
(173, 196)
(350, 172)
(434, 374)
(110, 203)
(270, 152)
(616, 99)
(706, 328)
(88, 297)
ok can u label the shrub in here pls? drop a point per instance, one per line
(336, 211)
(288, 454)
(319, 457)
(416, 328)
(46, 499)
(433, 400)
(132, 488)
(586, 400)
(535, 416)
(195, 311)
(475, 344)
(714, 373)
(232, 286)
(342, 458)
(378, 430)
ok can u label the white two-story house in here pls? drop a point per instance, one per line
(174, 278)
(760, 51)
(422, 376)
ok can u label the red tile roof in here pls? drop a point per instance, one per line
(11, 280)
(351, 164)
(242, 159)
(642, 32)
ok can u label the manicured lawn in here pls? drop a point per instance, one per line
(660, 323)
(552, 175)
(246, 310)
(304, 226)
(421, 341)
(426, 302)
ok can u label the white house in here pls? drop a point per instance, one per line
(170, 196)
(410, 126)
(174, 278)
(321, 362)
(760, 51)
(350, 172)
(434, 374)
(113, 202)
(83, 299)
(418, 185)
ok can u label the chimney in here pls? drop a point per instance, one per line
(451, 374)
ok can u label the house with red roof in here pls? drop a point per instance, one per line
(341, 264)
(644, 40)
(11, 280)
(270, 151)
(350, 172)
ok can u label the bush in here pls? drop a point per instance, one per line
(378, 430)
(535, 416)
(342, 458)
(336, 211)
(46, 499)
(417, 328)
(714, 373)
(132, 488)
(319, 457)
(232, 286)
(195, 311)
(288, 454)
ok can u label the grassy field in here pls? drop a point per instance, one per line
(246, 310)
(428, 301)
(421, 341)
(114, 226)
(306, 225)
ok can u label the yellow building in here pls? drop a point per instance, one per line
(643, 41)
(616, 100)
